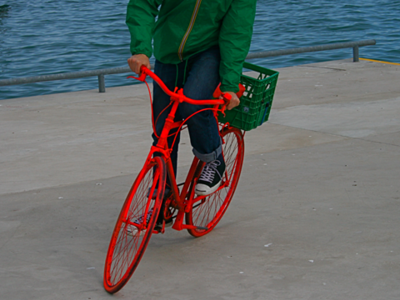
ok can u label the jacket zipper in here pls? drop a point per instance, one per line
(186, 36)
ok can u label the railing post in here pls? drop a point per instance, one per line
(356, 55)
(102, 84)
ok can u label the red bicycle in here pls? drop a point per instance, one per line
(198, 214)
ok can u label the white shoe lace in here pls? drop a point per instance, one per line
(209, 171)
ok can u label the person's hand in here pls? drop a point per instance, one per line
(138, 60)
(233, 102)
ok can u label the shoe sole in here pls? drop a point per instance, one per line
(209, 192)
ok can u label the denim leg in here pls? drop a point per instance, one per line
(168, 74)
(202, 80)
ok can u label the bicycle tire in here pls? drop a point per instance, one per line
(128, 244)
(206, 213)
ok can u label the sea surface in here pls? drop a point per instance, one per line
(43, 37)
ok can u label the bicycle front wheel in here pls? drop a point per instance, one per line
(207, 212)
(135, 225)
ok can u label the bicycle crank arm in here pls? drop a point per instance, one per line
(184, 226)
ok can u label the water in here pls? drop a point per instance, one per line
(47, 37)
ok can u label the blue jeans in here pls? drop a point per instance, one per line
(199, 77)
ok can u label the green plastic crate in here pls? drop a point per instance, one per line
(255, 104)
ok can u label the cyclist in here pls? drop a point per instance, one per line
(197, 45)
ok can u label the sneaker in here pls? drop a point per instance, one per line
(211, 176)
(160, 220)
(168, 223)
(132, 230)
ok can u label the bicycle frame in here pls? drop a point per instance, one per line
(162, 147)
(198, 214)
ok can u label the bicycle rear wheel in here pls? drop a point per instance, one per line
(207, 212)
(135, 225)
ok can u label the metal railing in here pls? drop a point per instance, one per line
(102, 72)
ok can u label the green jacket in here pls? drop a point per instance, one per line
(182, 28)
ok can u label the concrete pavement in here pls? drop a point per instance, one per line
(315, 215)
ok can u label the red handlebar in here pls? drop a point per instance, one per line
(178, 95)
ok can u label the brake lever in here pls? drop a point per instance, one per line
(142, 76)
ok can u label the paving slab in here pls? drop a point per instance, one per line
(315, 215)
